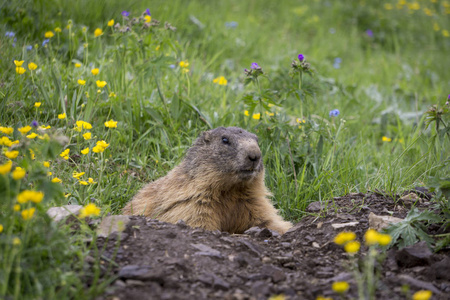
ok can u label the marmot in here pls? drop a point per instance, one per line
(218, 186)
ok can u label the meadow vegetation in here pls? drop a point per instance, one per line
(99, 97)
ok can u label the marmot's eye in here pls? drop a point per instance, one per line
(225, 140)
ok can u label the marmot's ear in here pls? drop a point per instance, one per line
(206, 136)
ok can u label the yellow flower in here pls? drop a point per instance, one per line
(414, 6)
(344, 237)
(32, 154)
(49, 34)
(256, 116)
(371, 237)
(16, 241)
(270, 114)
(11, 154)
(46, 164)
(67, 195)
(62, 116)
(112, 94)
(77, 65)
(18, 173)
(147, 19)
(82, 124)
(27, 195)
(57, 29)
(49, 173)
(37, 104)
(100, 84)
(102, 144)
(98, 149)
(20, 70)
(436, 27)
(82, 182)
(87, 136)
(340, 286)
(24, 130)
(95, 71)
(65, 154)
(45, 127)
(246, 113)
(77, 175)
(16, 207)
(445, 33)
(1, 228)
(184, 64)
(98, 32)
(352, 247)
(111, 22)
(32, 66)
(220, 80)
(89, 210)
(56, 180)
(85, 151)
(28, 213)
(422, 295)
(323, 298)
(7, 130)
(91, 181)
(388, 6)
(384, 239)
(157, 47)
(32, 135)
(111, 124)
(6, 167)
(81, 82)
(4, 140)
(18, 63)
(386, 139)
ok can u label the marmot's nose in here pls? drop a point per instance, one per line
(254, 156)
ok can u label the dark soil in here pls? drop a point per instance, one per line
(156, 260)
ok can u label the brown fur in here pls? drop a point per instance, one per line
(218, 186)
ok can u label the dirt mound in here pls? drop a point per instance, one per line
(156, 260)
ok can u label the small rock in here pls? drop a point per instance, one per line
(342, 225)
(206, 250)
(266, 260)
(416, 255)
(252, 247)
(60, 213)
(381, 222)
(120, 283)
(214, 281)
(410, 198)
(441, 269)
(315, 245)
(182, 224)
(144, 273)
(419, 284)
(315, 207)
(112, 224)
(135, 282)
(276, 274)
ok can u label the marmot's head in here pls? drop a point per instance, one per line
(230, 153)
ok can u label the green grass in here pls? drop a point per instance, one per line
(383, 87)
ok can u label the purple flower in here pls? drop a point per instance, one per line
(232, 24)
(369, 33)
(172, 66)
(301, 57)
(45, 42)
(125, 13)
(34, 123)
(10, 34)
(29, 48)
(448, 97)
(254, 66)
(334, 113)
(147, 12)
